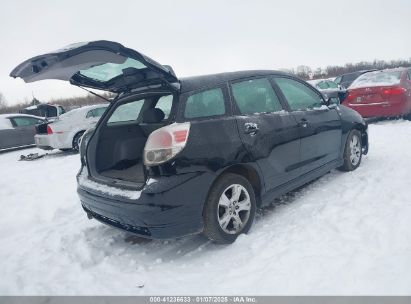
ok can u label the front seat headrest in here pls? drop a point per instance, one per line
(154, 115)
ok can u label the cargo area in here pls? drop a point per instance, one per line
(120, 153)
(121, 138)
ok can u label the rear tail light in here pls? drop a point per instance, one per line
(49, 130)
(394, 91)
(350, 97)
(165, 143)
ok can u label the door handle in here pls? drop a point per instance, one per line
(251, 128)
(303, 123)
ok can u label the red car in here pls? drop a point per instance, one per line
(385, 93)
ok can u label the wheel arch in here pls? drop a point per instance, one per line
(75, 134)
(248, 172)
(364, 136)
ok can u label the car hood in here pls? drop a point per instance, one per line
(103, 65)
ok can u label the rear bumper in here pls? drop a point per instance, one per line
(381, 109)
(168, 207)
(50, 141)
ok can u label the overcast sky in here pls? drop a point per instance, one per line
(200, 37)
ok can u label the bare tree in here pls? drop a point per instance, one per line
(3, 102)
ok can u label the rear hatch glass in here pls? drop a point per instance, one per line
(377, 79)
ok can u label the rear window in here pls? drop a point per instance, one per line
(205, 104)
(105, 72)
(126, 112)
(350, 77)
(378, 78)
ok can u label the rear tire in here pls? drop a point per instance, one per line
(230, 209)
(352, 151)
(76, 141)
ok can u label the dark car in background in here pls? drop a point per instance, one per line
(172, 157)
(385, 93)
(17, 130)
(346, 80)
(48, 111)
(329, 89)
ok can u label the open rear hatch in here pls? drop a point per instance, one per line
(115, 151)
(102, 65)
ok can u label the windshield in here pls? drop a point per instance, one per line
(107, 71)
(376, 79)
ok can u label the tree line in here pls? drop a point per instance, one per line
(306, 72)
(302, 71)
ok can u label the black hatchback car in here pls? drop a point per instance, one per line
(172, 157)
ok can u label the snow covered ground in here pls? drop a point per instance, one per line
(347, 233)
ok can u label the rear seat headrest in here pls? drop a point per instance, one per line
(154, 115)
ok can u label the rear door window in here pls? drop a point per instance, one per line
(207, 103)
(164, 104)
(299, 96)
(255, 96)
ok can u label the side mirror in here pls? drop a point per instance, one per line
(332, 101)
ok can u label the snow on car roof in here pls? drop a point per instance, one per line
(10, 115)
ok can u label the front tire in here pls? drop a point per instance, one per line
(352, 151)
(230, 209)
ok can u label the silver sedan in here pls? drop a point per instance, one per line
(17, 130)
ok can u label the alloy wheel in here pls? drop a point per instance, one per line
(355, 150)
(234, 208)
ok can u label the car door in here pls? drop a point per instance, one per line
(320, 126)
(269, 134)
(8, 134)
(25, 129)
